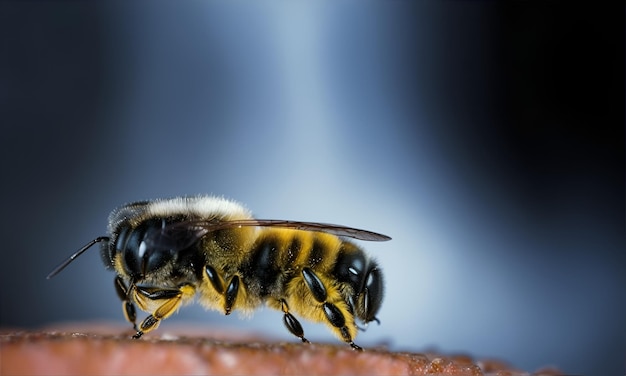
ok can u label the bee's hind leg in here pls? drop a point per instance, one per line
(292, 324)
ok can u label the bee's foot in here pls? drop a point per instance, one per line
(355, 346)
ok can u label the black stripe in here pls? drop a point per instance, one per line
(262, 270)
(317, 253)
(293, 251)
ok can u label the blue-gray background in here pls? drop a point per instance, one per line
(486, 139)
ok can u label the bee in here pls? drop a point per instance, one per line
(166, 252)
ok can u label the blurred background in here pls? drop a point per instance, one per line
(487, 139)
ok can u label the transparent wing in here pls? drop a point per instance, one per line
(201, 228)
(180, 235)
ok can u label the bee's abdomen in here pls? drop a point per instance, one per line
(280, 254)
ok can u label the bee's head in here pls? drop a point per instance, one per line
(151, 245)
(365, 278)
(142, 249)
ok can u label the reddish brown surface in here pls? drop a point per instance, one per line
(39, 353)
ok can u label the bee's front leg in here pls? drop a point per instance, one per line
(161, 302)
(127, 306)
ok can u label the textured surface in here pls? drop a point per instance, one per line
(73, 353)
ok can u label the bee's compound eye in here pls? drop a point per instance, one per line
(153, 259)
(141, 254)
(350, 268)
(127, 244)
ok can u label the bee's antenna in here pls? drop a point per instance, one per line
(65, 263)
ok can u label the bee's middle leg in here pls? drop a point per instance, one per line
(228, 293)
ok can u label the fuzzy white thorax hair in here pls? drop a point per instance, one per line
(201, 206)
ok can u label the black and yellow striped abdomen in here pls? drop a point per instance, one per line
(297, 271)
(278, 255)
